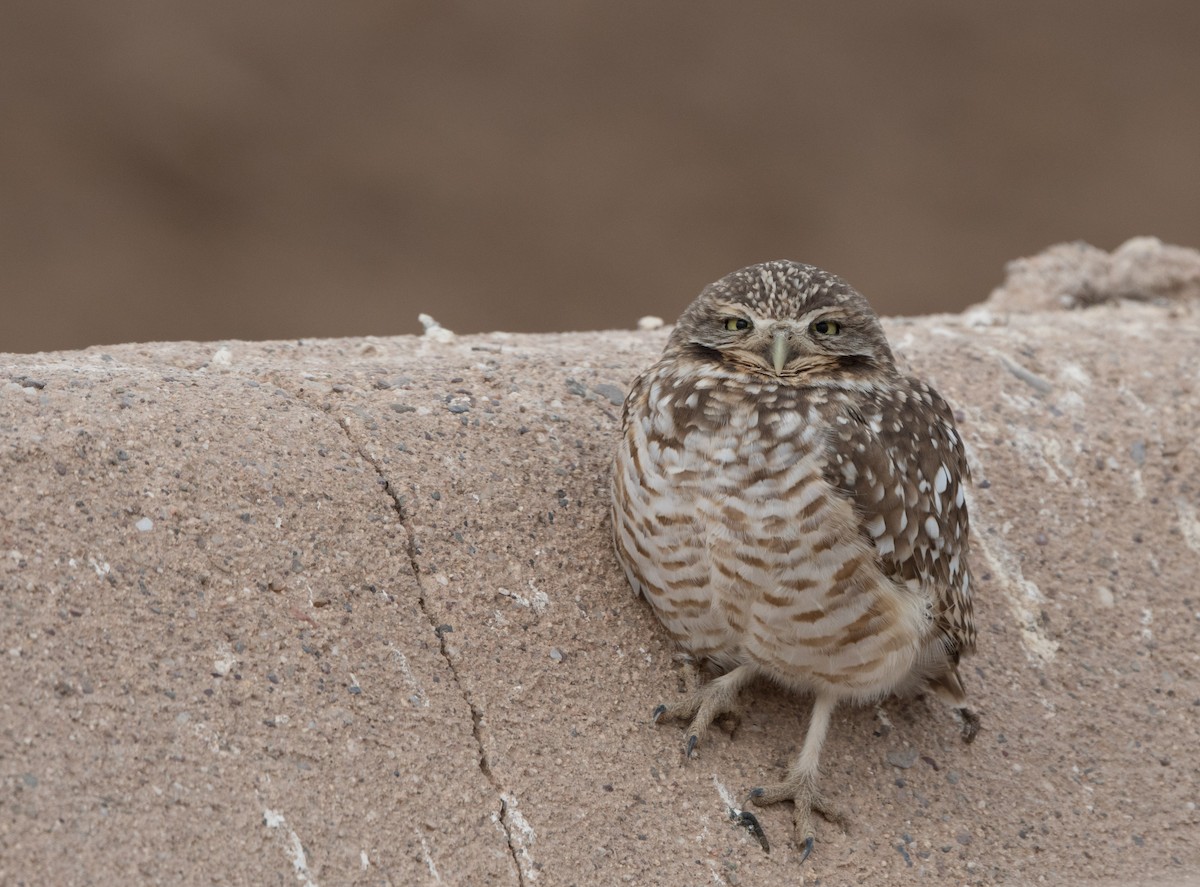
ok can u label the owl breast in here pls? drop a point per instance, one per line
(724, 520)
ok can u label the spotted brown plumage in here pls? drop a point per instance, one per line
(793, 506)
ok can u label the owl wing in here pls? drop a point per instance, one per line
(898, 456)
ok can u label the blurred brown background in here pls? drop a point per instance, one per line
(209, 170)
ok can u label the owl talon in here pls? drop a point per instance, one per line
(691, 745)
(808, 849)
(969, 723)
(659, 712)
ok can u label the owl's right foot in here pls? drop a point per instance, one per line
(801, 790)
(704, 705)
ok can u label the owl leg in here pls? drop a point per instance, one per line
(948, 687)
(800, 787)
(706, 704)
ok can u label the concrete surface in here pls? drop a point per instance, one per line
(345, 612)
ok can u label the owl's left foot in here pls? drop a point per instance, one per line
(704, 705)
(801, 790)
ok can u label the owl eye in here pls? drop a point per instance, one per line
(736, 324)
(826, 327)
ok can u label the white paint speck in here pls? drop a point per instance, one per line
(1025, 599)
(417, 697)
(1189, 525)
(224, 662)
(429, 864)
(521, 834)
(538, 601)
(725, 795)
(292, 847)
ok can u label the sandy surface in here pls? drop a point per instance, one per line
(345, 611)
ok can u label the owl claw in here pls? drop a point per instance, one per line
(808, 848)
(658, 713)
(691, 744)
(969, 722)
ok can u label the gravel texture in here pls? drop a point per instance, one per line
(345, 611)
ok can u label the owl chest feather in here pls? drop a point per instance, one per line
(745, 550)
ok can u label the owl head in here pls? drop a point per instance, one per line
(787, 322)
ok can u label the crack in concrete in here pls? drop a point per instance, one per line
(485, 766)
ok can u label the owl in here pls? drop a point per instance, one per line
(792, 506)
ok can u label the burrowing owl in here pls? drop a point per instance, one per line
(792, 506)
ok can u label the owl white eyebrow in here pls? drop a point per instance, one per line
(831, 312)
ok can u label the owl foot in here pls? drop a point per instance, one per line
(802, 791)
(703, 706)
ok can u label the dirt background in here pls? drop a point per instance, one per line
(185, 170)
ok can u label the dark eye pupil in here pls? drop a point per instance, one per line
(742, 323)
(823, 326)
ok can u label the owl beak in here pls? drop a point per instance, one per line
(779, 350)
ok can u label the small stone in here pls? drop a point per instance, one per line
(434, 331)
(556, 654)
(649, 322)
(615, 395)
(145, 525)
(902, 758)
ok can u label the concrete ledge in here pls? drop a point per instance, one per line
(345, 611)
